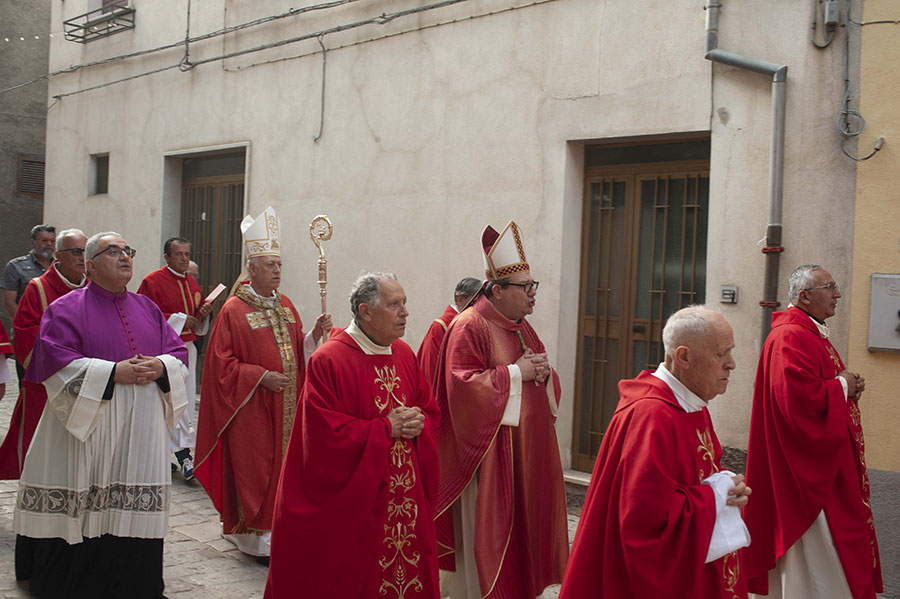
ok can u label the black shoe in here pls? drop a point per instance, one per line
(186, 462)
(263, 560)
(187, 469)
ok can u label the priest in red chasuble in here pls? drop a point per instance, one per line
(661, 518)
(178, 296)
(254, 370)
(65, 274)
(355, 507)
(431, 343)
(502, 503)
(812, 527)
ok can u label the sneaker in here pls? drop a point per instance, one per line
(174, 467)
(187, 468)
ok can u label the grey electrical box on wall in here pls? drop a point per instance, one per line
(884, 313)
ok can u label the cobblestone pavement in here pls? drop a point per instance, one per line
(198, 562)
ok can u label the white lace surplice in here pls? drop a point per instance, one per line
(100, 467)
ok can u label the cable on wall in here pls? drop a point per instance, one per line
(846, 127)
(212, 34)
(186, 61)
(380, 19)
(322, 111)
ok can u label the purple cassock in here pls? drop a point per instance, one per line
(93, 501)
(95, 323)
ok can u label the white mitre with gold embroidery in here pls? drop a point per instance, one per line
(504, 255)
(262, 236)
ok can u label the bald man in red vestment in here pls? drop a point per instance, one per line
(431, 343)
(661, 517)
(64, 275)
(812, 527)
(355, 506)
(502, 504)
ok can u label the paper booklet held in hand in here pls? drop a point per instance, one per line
(214, 294)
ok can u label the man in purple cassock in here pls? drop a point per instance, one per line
(93, 501)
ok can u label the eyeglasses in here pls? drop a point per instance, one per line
(527, 287)
(115, 251)
(831, 287)
(77, 252)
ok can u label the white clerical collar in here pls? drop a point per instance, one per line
(823, 328)
(369, 347)
(175, 272)
(69, 283)
(687, 399)
(270, 300)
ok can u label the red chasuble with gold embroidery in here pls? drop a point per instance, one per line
(806, 454)
(521, 535)
(173, 294)
(431, 344)
(354, 514)
(647, 520)
(243, 428)
(40, 293)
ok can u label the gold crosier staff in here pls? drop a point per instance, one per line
(320, 230)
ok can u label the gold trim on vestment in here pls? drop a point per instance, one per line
(225, 426)
(475, 471)
(448, 550)
(442, 323)
(277, 316)
(731, 573)
(707, 451)
(399, 569)
(42, 293)
(184, 299)
(512, 519)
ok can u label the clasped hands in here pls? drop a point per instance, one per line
(856, 384)
(534, 367)
(138, 370)
(738, 495)
(406, 422)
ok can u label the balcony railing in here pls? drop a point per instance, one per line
(112, 18)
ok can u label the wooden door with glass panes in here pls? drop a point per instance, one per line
(211, 213)
(643, 258)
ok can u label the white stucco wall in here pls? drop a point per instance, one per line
(818, 181)
(431, 135)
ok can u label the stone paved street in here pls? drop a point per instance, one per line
(199, 563)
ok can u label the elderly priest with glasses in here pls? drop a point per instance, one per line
(810, 518)
(501, 505)
(93, 501)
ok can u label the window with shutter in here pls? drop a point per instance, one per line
(30, 177)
